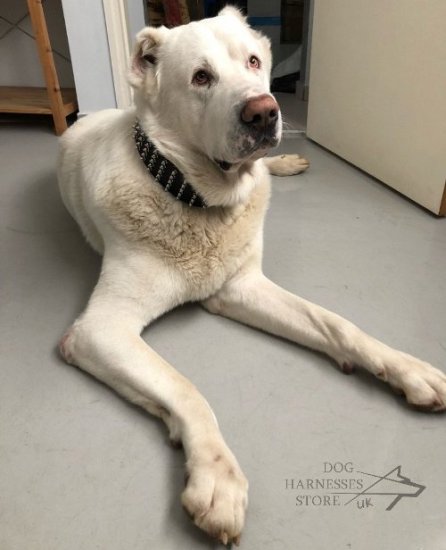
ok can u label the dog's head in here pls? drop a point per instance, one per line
(208, 84)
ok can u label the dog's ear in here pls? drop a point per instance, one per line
(145, 53)
(232, 10)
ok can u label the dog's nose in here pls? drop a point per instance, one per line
(260, 112)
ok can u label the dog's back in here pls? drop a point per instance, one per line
(88, 151)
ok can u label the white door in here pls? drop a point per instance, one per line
(378, 91)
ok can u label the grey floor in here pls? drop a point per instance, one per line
(80, 469)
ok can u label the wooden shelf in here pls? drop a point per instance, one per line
(45, 101)
(34, 100)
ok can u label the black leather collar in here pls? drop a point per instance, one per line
(164, 171)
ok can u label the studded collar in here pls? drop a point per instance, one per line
(164, 171)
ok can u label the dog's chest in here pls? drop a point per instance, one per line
(203, 246)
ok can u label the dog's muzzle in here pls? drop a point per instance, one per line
(257, 131)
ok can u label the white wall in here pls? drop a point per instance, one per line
(136, 21)
(87, 35)
(90, 58)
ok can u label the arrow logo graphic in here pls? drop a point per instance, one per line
(393, 483)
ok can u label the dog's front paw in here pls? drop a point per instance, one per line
(423, 385)
(216, 494)
(286, 165)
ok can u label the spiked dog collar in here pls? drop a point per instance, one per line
(164, 171)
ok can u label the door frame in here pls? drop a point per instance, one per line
(118, 36)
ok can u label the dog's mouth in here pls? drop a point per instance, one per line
(255, 151)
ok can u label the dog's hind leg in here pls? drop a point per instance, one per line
(286, 165)
(105, 341)
(254, 300)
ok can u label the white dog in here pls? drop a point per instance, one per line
(173, 194)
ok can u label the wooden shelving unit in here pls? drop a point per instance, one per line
(51, 100)
(34, 100)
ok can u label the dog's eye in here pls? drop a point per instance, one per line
(201, 78)
(254, 62)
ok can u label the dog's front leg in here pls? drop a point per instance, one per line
(105, 341)
(254, 300)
